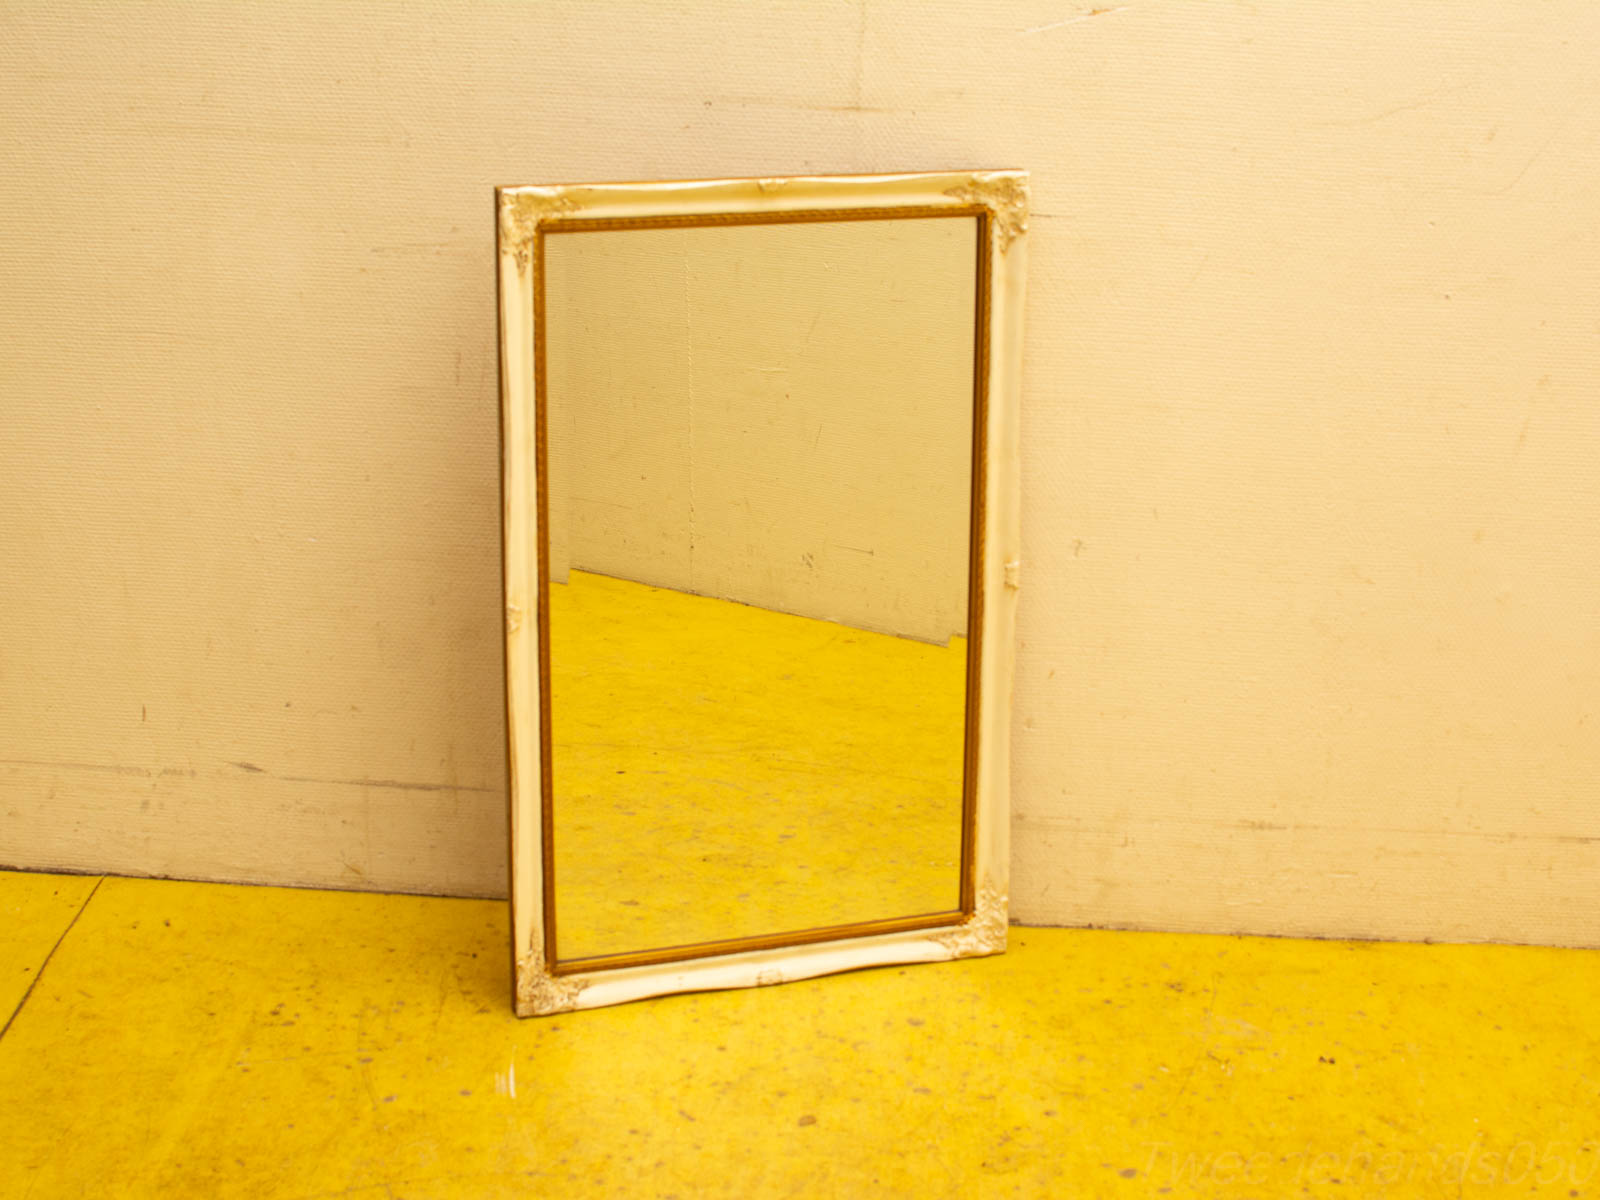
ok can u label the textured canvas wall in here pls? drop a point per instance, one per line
(1310, 629)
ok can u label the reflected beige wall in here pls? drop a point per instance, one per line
(775, 414)
(1308, 627)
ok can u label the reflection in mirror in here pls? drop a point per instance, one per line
(759, 445)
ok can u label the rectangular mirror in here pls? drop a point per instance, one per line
(760, 533)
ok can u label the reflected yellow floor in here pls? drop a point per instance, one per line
(724, 771)
(208, 1040)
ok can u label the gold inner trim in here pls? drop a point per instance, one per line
(975, 589)
(765, 941)
(791, 217)
(975, 593)
(547, 811)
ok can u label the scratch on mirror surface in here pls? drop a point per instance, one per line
(688, 330)
(1088, 16)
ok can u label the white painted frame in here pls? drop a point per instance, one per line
(1001, 197)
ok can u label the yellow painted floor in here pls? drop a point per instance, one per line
(180, 1039)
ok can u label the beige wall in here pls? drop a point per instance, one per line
(1309, 635)
(775, 414)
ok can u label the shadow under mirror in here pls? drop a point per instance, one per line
(758, 456)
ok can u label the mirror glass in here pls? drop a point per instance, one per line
(758, 456)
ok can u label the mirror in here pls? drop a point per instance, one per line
(759, 447)
(759, 482)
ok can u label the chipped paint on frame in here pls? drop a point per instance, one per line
(1005, 195)
(521, 210)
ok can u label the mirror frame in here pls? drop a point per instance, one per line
(999, 201)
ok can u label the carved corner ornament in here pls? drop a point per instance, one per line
(520, 213)
(540, 994)
(986, 932)
(1006, 198)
